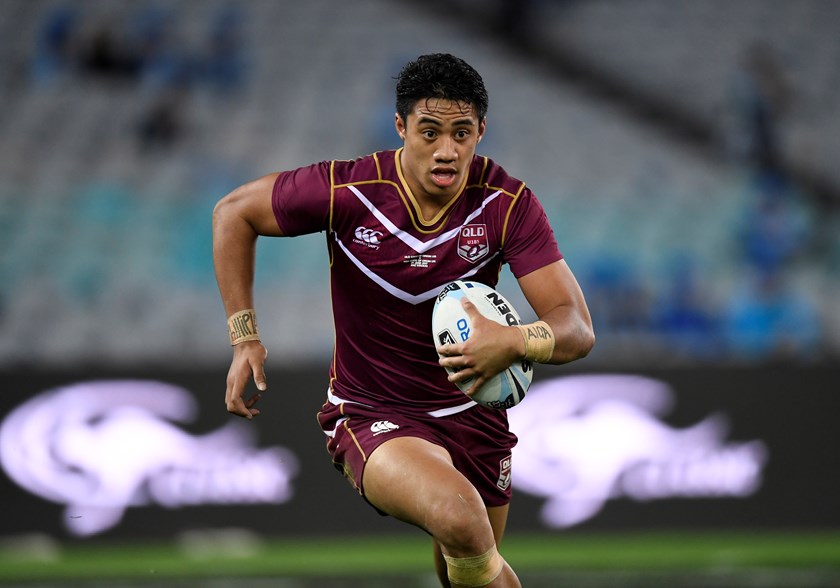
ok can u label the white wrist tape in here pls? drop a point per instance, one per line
(539, 341)
(242, 326)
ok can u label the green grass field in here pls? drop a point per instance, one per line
(798, 560)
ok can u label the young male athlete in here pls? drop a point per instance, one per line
(400, 225)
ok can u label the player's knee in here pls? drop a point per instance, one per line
(461, 525)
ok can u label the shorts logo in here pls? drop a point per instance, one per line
(368, 237)
(472, 242)
(380, 427)
(504, 474)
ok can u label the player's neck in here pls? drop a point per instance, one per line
(430, 205)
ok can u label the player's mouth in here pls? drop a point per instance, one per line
(444, 177)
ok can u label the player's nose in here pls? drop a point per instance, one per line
(446, 150)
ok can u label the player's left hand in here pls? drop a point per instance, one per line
(490, 349)
(248, 361)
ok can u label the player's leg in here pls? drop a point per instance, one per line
(440, 565)
(498, 516)
(414, 480)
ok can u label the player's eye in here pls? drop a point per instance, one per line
(429, 134)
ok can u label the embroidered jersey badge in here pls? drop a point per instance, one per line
(472, 242)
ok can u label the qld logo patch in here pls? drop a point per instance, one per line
(504, 473)
(472, 242)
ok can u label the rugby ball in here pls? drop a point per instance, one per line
(451, 324)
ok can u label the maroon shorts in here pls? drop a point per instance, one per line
(477, 439)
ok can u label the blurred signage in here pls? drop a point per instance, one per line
(586, 439)
(101, 447)
(87, 455)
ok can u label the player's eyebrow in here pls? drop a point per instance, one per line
(427, 120)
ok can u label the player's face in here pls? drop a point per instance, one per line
(440, 141)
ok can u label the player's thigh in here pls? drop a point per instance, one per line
(414, 480)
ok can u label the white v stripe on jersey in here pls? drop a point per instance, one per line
(397, 292)
(410, 240)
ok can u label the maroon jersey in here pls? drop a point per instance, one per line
(388, 264)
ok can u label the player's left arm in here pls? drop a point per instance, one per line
(555, 295)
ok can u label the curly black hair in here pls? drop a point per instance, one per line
(440, 75)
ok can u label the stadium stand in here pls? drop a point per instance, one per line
(124, 123)
(709, 57)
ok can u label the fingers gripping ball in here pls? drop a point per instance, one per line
(451, 324)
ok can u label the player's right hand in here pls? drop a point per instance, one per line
(490, 349)
(247, 363)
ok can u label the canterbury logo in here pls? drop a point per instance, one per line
(369, 236)
(380, 427)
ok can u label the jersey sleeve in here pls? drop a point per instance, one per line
(529, 241)
(301, 199)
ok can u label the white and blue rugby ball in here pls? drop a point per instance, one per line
(451, 324)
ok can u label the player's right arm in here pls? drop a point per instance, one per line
(238, 219)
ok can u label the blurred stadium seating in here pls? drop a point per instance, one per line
(122, 124)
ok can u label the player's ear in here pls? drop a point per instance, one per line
(399, 124)
(482, 126)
